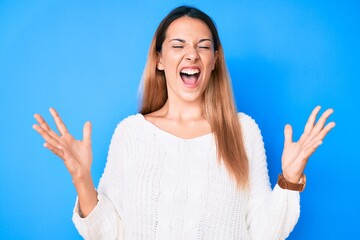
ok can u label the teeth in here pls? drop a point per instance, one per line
(190, 71)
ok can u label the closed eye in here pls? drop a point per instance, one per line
(177, 46)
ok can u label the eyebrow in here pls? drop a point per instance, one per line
(183, 41)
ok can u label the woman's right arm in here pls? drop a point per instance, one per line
(95, 213)
(76, 155)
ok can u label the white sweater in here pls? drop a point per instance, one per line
(159, 186)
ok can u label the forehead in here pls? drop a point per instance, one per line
(187, 27)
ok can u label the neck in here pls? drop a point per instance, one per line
(182, 110)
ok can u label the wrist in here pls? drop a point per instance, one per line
(292, 178)
(286, 184)
(87, 195)
(82, 183)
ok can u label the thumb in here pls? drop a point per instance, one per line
(87, 132)
(288, 134)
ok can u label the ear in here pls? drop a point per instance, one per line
(216, 54)
(159, 64)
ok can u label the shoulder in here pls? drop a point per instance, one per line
(129, 125)
(130, 121)
(249, 128)
(247, 122)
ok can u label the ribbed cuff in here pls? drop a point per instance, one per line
(84, 225)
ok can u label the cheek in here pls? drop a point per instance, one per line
(209, 60)
(171, 60)
(211, 65)
(170, 64)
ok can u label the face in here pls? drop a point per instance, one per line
(187, 59)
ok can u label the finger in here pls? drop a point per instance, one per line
(311, 121)
(43, 124)
(46, 136)
(324, 131)
(87, 133)
(41, 121)
(58, 152)
(321, 122)
(288, 134)
(319, 139)
(58, 121)
(311, 149)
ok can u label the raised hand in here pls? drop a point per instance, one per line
(76, 154)
(296, 154)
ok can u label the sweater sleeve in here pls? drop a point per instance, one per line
(272, 214)
(104, 221)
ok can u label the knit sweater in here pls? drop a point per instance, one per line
(159, 186)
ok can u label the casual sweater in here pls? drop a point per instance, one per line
(158, 186)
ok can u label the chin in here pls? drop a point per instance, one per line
(191, 96)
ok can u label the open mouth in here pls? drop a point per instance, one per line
(190, 76)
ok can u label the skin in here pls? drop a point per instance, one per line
(188, 43)
(76, 155)
(181, 116)
(296, 154)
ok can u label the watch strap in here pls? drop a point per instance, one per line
(285, 184)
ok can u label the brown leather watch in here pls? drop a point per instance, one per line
(285, 184)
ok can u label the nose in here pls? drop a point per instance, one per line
(192, 54)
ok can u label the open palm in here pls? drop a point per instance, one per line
(296, 154)
(76, 154)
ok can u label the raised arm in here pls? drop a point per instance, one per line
(76, 155)
(276, 212)
(296, 154)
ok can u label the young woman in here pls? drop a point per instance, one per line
(188, 166)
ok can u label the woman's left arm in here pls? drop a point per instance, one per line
(296, 154)
(272, 214)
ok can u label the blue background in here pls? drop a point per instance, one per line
(85, 58)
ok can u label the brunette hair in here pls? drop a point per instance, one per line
(219, 107)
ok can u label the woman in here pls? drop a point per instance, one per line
(188, 166)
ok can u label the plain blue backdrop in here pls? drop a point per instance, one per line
(85, 58)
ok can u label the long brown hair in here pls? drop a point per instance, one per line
(219, 107)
